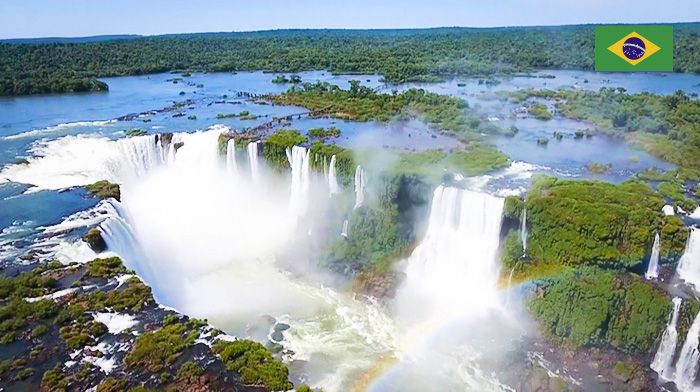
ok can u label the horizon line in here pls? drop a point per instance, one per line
(118, 36)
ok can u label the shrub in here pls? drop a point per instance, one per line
(540, 112)
(105, 189)
(276, 145)
(254, 363)
(154, 350)
(105, 268)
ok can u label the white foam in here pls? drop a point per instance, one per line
(668, 210)
(121, 279)
(106, 365)
(73, 252)
(54, 296)
(116, 322)
(695, 214)
(64, 163)
(85, 218)
(511, 192)
(58, 128)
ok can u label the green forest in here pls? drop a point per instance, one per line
(586, 240)
(398, 55)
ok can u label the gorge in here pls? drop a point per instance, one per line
(433, 260)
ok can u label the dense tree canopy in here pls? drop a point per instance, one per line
(399, 55)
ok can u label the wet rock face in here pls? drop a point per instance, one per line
(165, 139)
(277, 332)
(378, 285)
(95, 241)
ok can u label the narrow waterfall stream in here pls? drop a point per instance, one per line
(663, 360)
(653, 268)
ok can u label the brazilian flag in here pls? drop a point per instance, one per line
(634, 48)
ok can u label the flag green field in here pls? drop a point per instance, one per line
(634, 48)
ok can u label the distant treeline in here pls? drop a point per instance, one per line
(398, 55)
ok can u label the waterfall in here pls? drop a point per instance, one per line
(508, 287)
(253, 160)
(653, 269)
(344, 233)
(332, 178)
(135, 156)
(231, 163)
(689, 264)
(455, 268)
(299, 161)
(687, 365)
(663, 359)
(122, 240)
(523, 230)
(359, 186)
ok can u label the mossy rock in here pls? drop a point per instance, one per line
(135, 132)
(105, 190)
(95, 241)
(105, 268)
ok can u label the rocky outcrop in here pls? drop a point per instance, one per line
(95, 241)
(97, 326)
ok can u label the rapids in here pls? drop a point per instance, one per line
(213, 238)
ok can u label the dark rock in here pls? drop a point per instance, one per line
(95, 241)
(281, 327)
(277, 336)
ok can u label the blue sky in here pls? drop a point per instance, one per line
(71, 18)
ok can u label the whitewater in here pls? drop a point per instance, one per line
(211, 234)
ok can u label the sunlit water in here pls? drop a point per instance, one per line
(211, 243)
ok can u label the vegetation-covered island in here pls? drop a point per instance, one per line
(365, 210)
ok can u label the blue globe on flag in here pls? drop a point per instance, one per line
(633, 48)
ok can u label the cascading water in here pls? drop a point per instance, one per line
(523, 231)
(663, 360)
(121, 239)
(231, 163)
(137, 155)
(207, 243)
(653, 268)
(450, 293)
(687, 364)
(253, 160)
(81, 160)
(359, 186)
(298, 158)
(455, 266)
(344, 232)
(689, 264)
(509, 286)
(333, 187)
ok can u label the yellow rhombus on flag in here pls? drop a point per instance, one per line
(617, 47)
